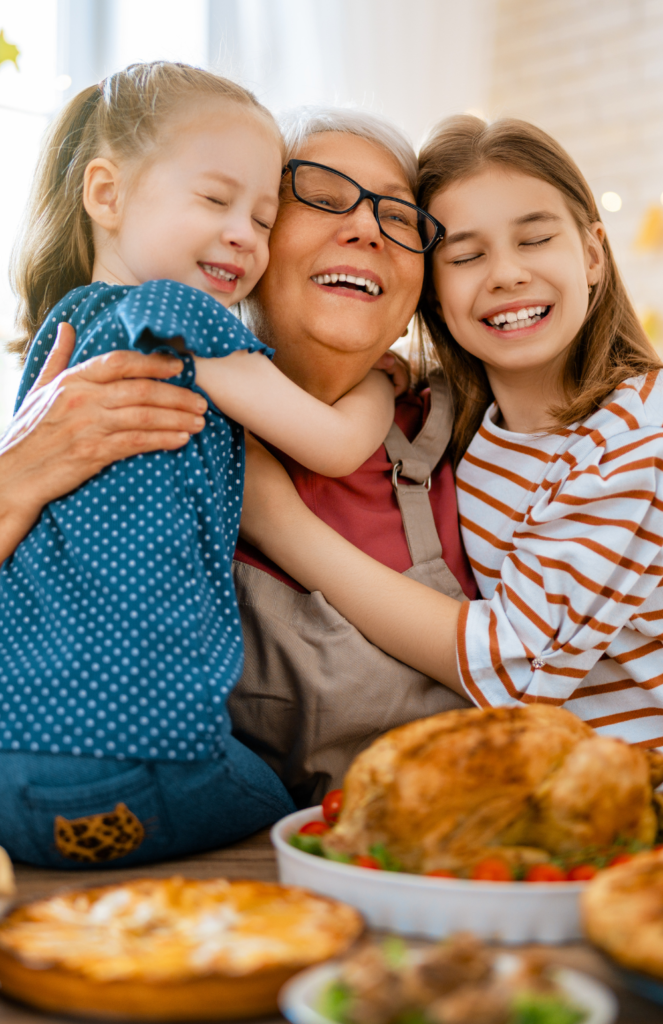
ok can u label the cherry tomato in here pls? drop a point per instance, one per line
(366, 861)
(582, 872)
(314, 828)
(331, 805)
(621, 858)
(441, 873)
(545, 873)
(492, 869)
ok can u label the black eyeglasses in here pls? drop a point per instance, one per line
(326, 189)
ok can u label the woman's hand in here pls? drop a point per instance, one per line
(76, 421)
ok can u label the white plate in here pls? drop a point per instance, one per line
(434, 907)
(300, 997)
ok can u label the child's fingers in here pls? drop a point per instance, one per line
(396, 367)
(385, 362)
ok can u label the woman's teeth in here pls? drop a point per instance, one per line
(360, 283)
(516, 320)
(223, 275)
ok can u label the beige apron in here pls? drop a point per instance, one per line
(314, 690)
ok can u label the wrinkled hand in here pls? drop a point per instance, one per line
(396, 367)
(76, 421)
(270, 497)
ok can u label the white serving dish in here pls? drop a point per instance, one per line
(509, 912)
(300, 997)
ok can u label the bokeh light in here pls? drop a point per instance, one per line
(611, 201)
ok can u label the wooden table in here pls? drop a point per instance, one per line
(254, 858)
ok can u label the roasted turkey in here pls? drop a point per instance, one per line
(535, 781)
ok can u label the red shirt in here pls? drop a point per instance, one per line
(362, 507)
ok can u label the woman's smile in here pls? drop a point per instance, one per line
(350, 282)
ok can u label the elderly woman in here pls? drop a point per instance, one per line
(314, 691)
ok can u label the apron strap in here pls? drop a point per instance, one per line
(416, 460)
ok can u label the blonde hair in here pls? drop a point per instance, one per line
(122, 117)
(611, 344)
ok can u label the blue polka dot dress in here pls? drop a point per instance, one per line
(119, 629)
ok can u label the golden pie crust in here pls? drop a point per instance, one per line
(622, 913)
(169, 949)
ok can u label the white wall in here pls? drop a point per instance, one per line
(415, 63)
(591, 73)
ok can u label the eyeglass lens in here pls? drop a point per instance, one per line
(327, 190)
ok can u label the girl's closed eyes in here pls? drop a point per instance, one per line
(459, 261)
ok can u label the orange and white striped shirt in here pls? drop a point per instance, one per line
(564, 533)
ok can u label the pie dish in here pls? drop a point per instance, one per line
(622, 912)
(169, 949)
(409, 904)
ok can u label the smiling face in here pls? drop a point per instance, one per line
(303, 302)
(201, 210)
(513, 273)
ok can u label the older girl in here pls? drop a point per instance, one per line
(558, 445)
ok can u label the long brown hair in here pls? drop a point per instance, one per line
(611, 345)
(121, 118)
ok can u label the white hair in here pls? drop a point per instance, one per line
(300, 123)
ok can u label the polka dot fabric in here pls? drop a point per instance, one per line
(120, 634)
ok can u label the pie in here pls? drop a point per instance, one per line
(622, 912)
(169, 949)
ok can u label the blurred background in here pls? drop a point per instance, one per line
(588, 71)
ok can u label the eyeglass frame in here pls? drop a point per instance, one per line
(364, 193)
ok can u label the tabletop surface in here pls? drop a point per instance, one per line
(254, 858)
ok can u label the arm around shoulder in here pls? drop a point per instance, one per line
(330, 439)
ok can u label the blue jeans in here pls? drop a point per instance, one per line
(171, 808)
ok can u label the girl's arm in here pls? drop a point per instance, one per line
(73, 422)
(406, 619)
(330, 439)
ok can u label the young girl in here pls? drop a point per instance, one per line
(120, 636)
(558, 443)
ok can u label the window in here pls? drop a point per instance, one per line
(28, 97)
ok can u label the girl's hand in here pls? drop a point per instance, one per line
(396, 367)
(76, 421)
(270, 498)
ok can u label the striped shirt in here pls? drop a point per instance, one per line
(564, 533)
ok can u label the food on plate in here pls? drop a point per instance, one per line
(622, 913)
(331, 806)
(458, 981)
(521, 787)
(169, 949)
